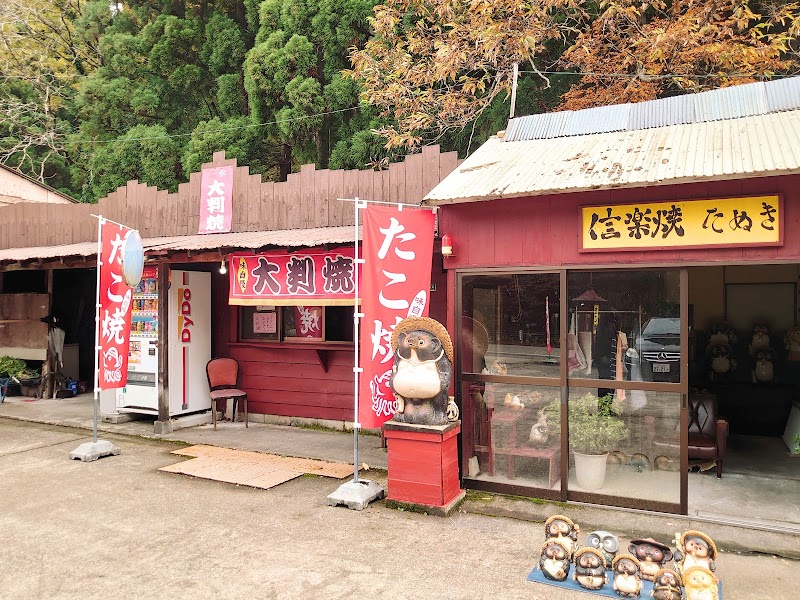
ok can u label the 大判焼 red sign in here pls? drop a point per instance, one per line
(216, 205)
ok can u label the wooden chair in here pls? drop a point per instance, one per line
(223, 377)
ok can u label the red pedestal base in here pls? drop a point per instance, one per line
(423, 466)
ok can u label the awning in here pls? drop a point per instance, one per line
(248, 240)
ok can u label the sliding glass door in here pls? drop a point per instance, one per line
(573, 384)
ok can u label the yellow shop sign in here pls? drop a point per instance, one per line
(752, 221)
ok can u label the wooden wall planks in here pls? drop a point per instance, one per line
(309, 199)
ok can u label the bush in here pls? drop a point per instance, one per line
(16, 368)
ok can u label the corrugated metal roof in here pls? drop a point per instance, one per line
(255, 239)
(250, 240)
(745, 147)
(726, 103)
(46, 252)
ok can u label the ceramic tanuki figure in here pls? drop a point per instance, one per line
(760, 340)
(666, 585)
(700, 584)
(764, 369)
(590, 568)
(562, 528)
(694, 549)
(423, 357)
(792, 341)
(627, 581)
(554, 560)
(651, 554)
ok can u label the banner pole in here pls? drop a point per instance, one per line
(356, 494)
(356, 318)
(91, 451)
(100, 221)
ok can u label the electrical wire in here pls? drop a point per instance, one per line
(181, 135)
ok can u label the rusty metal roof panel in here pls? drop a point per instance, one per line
(751, 146)
(48, 252)
(288, 238)
(250, 240)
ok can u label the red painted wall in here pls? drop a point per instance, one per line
(545, 230)
(292, 382)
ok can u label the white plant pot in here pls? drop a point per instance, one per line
(590, 470)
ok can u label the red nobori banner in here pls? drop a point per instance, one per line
(216, 204)
(115, 299)
(311, 278)
(398, 250)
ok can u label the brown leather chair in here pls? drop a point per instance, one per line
(708, 434)
(223, 377)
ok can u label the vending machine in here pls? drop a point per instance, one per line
(189, 345)
(189, 341)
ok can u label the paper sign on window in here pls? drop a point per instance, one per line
(265, 322)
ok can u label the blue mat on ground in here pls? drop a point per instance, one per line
(607, 590)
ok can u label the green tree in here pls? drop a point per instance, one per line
(43, 51)
(293, 75)
(145, 153)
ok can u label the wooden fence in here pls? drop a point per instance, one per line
(307, 199)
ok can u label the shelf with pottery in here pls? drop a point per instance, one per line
(507, 418)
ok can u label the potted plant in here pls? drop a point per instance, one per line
(594, 430)
(18, 371)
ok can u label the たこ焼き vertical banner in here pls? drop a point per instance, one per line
(396, 279)
(216, 200)
(115, 300)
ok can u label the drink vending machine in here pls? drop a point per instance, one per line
(189, 346)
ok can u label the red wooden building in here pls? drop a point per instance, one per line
(645, 253)
(52, 250)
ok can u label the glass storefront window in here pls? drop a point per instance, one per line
(511, 324)
(509, 437)
(626, 325)
(644, 463)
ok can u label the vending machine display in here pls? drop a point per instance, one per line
(188, 302)
(141, 392)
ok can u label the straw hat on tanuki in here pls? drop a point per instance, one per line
(712, 547)
(590, 550)
(432, 326)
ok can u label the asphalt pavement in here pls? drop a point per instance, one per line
(119, 528)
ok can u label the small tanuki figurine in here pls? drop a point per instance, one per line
(423, 358)
(792, 341)
(562, 528)
(694, 549)
(651, 554)
(590, 568)
(700, 584)
(627, 581)
(764, 369)
(554, 560)
(666, 585)
(760, 340)
(605, 542)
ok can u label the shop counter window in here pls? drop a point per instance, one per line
(296, 324)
